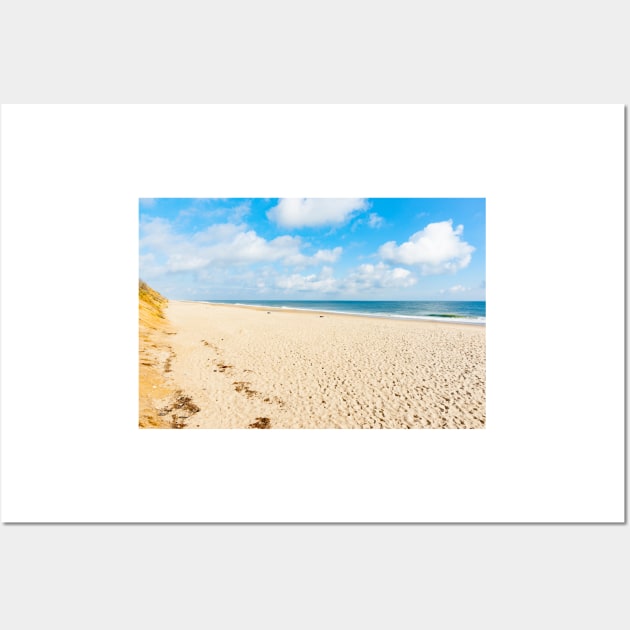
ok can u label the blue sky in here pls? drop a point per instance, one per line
(314, 249)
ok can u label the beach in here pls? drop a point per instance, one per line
(244, 367)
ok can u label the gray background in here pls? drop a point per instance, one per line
(283, 576)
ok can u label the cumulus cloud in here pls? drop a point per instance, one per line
(321, 256)
(378, 276)
(328, 255)
(324, 282)
(438, 248)
(363, 278)
(218, 233)
(296, 213)
(248, 247)
(220, 243)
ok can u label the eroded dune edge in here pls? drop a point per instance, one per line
(161, 404)
(225, 366)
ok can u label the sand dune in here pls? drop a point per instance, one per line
(263, 368)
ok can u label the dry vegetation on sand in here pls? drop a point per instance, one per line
(161, 405)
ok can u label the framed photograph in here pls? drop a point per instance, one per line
(312, 313)
(251, 228)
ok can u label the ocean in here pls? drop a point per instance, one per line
(460, 311)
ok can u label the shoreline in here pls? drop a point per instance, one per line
(464, 321)
(246, 366)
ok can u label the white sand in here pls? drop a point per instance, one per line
(300, 370)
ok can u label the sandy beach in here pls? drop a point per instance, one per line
(243, 367)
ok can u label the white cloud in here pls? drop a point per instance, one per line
(148, 267)
(363, 278)
(220, 243)
(295, 213)
(324, 282)
(186, 262)
(219, 232)
(214, 210)
(374, 220)
(328, 255)
(436, 249)
(164, 249)
(378, 276)
(321, 256)
(155, 233)
(147, 202)
(248, 247)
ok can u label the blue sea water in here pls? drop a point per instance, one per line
(451, 311)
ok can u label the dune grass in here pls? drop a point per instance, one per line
(152, 350)
(153, 302)
(162, 405)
